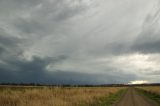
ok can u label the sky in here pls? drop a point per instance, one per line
(79, 41)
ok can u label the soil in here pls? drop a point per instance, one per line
(133, 98)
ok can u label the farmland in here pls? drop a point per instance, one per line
(55, 96)
(151, 89)
(152, 92)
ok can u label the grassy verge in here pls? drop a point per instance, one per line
(153, 96)
(111, 99)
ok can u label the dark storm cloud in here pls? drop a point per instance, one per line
(70, 77)
(77, 41)
(28, 71)
(35, 71)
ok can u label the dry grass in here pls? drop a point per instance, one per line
(55, 96)
(152, 92)
(151, 89)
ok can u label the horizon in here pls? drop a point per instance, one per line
(80, 41)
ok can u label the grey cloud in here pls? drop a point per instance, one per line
(35, 71)
(28, 27)
(2, 50)
(8, 41)
(156, 73)
(74, 36)
(8, 8)
(148, 40)
(147, 47)
(28, 71)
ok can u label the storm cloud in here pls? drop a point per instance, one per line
(79, 41)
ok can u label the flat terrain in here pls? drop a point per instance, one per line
(132, 98)
(55, 96)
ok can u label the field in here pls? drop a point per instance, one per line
(55, 96)
(151, 89)
(152, 92)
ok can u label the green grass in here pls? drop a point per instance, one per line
(110, 100)
(153, 96)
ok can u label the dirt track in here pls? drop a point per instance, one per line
(132, 98)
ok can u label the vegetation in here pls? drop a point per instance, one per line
(109, 100)
(57, 96)
(153, 92)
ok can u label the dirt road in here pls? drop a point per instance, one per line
(132, 98)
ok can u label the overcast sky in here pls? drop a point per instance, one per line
(79, 41)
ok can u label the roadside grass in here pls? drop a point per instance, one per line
(111, 99)
(153, 96)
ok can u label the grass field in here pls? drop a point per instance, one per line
(152, 89)
(153, 92)
(55, 96)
